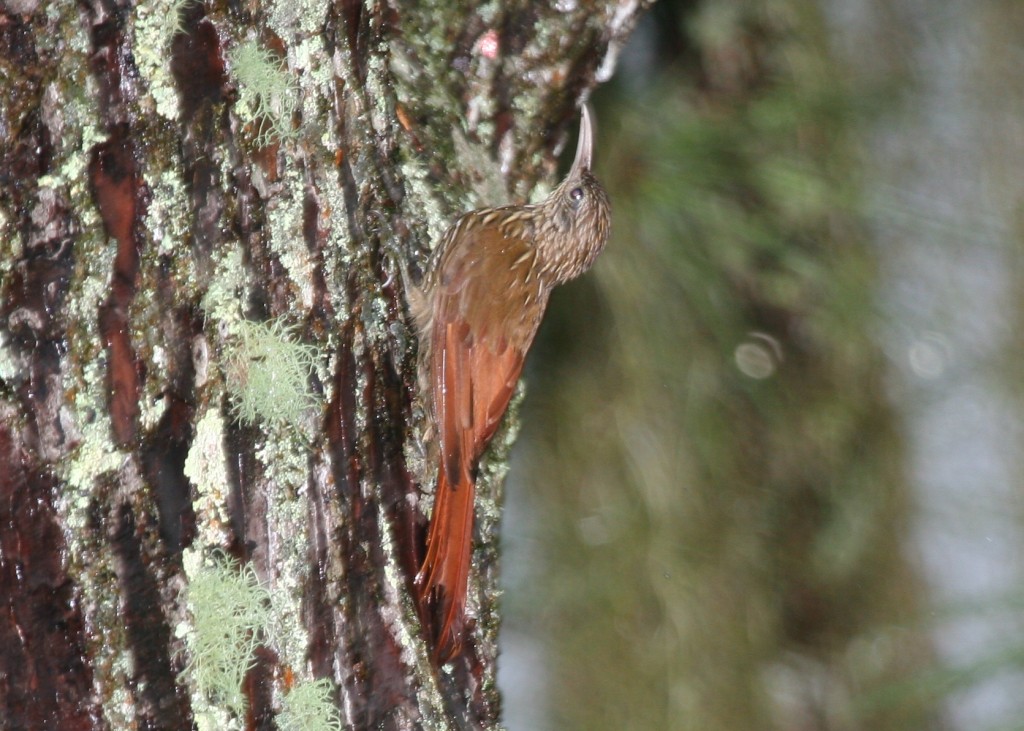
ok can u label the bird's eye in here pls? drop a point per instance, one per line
(576, 194)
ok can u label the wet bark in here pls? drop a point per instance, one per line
(197, 202)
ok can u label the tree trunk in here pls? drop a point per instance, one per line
(207, 213)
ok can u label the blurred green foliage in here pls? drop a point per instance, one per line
(717, 479)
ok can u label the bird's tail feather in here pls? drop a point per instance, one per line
(444, 577)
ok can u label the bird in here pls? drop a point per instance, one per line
(476, 313)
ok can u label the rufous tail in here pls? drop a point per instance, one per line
(444, 577)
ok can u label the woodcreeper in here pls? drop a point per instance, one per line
(476, 314)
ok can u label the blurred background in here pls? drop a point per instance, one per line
(769, 474)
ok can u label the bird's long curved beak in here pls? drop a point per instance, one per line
(585, 146)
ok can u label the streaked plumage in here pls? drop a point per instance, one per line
(477, 314)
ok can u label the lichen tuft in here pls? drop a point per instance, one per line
(230, 611)
(267, 93)
(308, 707)
(267, 372)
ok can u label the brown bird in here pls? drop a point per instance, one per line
(477, 313)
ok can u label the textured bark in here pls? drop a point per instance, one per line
(151, 203)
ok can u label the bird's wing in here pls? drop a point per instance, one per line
(485, 314)
(487, 310)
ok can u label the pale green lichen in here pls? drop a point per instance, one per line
(267, 370)
(206, 468)
(314, 63)
(96, 474)
(155, 25)
(69, 107)
(90, 285)
(167, 220)
(94, 464)
(176, 14)
(315, 70)
(93, 458)
(334, 218)
(230, 611)
(286, 460)
(285, 218)
(265, 365)
(92, 564)
(267, 93)
(288, 17)
(95, 454)
(308, 707)
(306, 56)
(221, 300)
